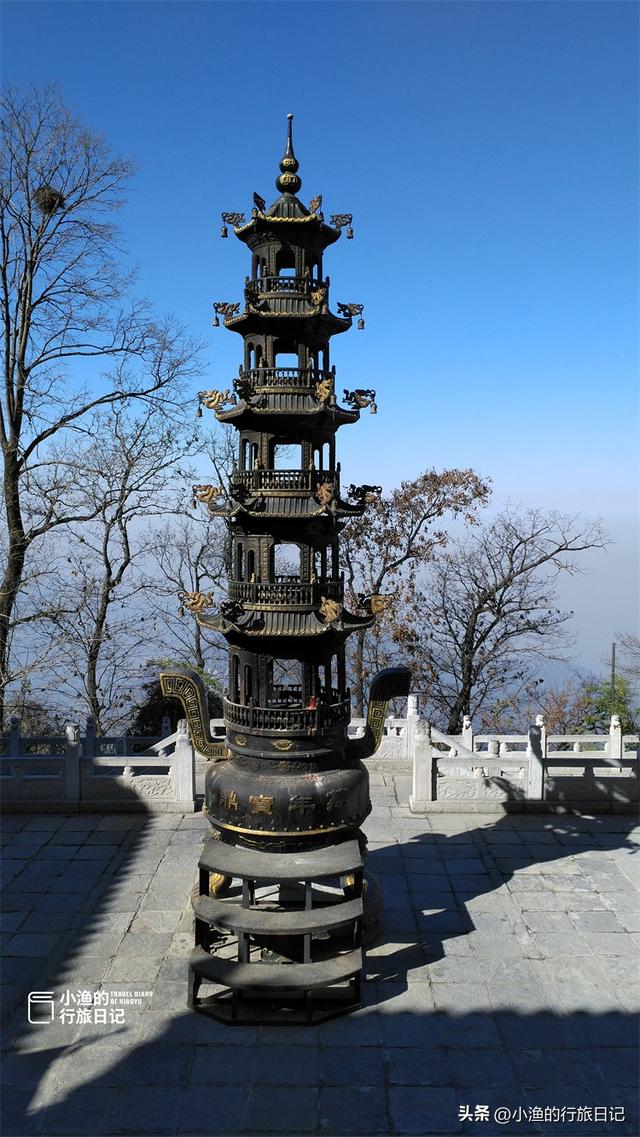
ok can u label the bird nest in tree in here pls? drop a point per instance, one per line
(48, 199)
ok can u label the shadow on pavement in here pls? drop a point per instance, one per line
(469, 1008)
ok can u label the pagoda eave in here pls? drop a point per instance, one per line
(285, 623)
(248, 416)
(262, 323)
(292, 509)
(257, 229)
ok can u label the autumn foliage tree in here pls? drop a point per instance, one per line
(384, 552)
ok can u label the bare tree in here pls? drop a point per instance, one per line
(486, 615)
(629, 643)
(108, 617)
(65, 309)
(192, 554)
(384, 550)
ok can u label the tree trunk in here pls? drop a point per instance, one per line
(358, 665)
(461, 703)
(16, 552)
(458, 710)
(198, 653)
(93, 657)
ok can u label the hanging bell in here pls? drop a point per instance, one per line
(199, 411)
(360, 324)
(216, 322)
(349, 234)
(224, 232)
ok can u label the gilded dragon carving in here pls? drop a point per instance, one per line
(196, 602)
(216, 400)
(208, 495)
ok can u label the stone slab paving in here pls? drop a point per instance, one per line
(500, 999)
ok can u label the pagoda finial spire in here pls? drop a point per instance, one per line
(288, 181)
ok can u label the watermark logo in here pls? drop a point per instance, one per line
(41, 1007)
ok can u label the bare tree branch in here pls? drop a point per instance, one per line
(66, 306)
(485, 614)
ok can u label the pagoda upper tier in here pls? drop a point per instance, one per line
(306, 397)
(287, 210)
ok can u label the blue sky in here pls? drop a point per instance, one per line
(488, 152)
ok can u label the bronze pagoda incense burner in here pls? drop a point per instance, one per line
(279, 914)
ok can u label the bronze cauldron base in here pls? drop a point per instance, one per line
(283, 945)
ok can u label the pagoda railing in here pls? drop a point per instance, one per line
(277, 480)
(285, 296)
(301, 285)
(288, 592)
(279, 378)
(295, 719)
(290, 695)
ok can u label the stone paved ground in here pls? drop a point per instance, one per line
(506, 977)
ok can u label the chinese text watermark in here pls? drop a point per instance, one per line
(82, 1007)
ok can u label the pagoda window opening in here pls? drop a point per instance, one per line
(235, 679)
(286, 456)
(251, 564)
(286, 560)
(329, 674)
(322, 457)
(310, 681)
(240, 561)
(286, 684)
(250, 454)
(285, 260)
(283, 357)
(247, 675)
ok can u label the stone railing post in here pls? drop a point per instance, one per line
(615, 738)
(467, 732)
(424, 770)
(184, 766)
(537, 754)
(412, 724)
(72, 748)
(14, 737)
